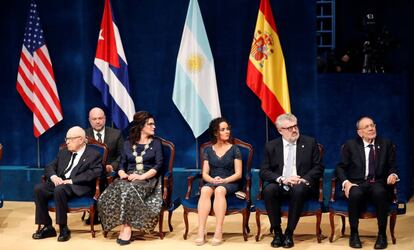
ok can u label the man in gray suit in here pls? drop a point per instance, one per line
(112, 138)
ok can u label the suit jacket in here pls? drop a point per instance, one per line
(114, 141)
(308, 160)
(352, 165)
(83, 175)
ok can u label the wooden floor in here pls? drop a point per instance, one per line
(17, 218)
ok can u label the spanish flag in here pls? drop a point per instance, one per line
(266, 70)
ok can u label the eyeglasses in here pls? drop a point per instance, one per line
(151, 124)
(224, 129)
(71, 138)
(372, 125)
(290, 129)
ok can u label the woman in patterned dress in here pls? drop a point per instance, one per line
(222, 169)
(134, 200)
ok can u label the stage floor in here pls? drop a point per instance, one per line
(17, 218)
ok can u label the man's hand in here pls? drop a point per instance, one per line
(56, 180)
(68, 181)
(392, 179)
(109, 168)
(291, 181)
(347, 187)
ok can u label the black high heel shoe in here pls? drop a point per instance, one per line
(123, 242)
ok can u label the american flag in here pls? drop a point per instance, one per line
(35, 79)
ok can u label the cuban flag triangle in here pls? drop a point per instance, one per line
(110, 71)
(195, 87)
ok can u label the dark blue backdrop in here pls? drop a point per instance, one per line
(327, 106)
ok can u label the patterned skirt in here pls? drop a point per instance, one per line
(136, 203)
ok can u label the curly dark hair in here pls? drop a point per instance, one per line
(214, 128)
(140, 119)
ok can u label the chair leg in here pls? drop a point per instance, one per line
(105, 234)
(343, 225)
(393, 221)
(258, 225)
(318, 226)
(160, 221)
(185, 215)
(332, 223)
(169, 221)
(83, 216)
(92, 220)
(244, 226)
(248, 218)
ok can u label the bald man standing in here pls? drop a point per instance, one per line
(110, 136)
(71, 174)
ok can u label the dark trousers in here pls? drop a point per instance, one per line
(274, 194)
(43, 192)
(368, 192)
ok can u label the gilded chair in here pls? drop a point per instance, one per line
(338, 205)
(234, 204)
(1, 156)
(312, 207)
(85, 203)
(168, 204)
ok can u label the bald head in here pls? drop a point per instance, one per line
(97, 118)
(75, 138)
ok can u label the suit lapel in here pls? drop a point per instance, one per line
(299, 148)
(81, 162)
(361, 151)
(279, 153)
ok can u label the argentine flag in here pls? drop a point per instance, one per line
(110, 71)
(195, 87)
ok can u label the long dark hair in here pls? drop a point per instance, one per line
(214, 128)
(140, 119)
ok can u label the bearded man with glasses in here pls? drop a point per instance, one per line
(291, 170)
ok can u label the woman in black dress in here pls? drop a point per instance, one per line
(134, 200)
(222, 169)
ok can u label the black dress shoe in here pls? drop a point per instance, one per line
(288, 242)
(64, 234)
(354, 241)
(44, 232)
(381, 242)
(277, 239)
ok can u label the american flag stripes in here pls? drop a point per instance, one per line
(35, 79)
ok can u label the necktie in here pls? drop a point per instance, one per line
(371, 162)
(99, 137)
(288, 168)
(70, 165)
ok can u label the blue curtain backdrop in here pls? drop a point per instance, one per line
(151, 30)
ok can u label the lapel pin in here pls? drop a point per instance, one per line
(303, 146)
(84, 159)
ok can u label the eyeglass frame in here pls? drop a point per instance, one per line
(290, 129)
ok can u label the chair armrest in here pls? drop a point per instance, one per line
(110, 178)
(97, 189)
(333, 188)
(190, 180)
(248, 185)
(43, 178)
(320, 199)
(167, 186)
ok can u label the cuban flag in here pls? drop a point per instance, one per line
(195, 87)
(110, 71)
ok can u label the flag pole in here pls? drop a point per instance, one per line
(267, 128)
(38, 152)
(197, 153)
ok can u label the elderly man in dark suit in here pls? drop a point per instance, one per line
(367, 166)
(72, 173)
(291, 170)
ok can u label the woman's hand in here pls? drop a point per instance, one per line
(123, 175)
(219, 180)
(133, 177)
